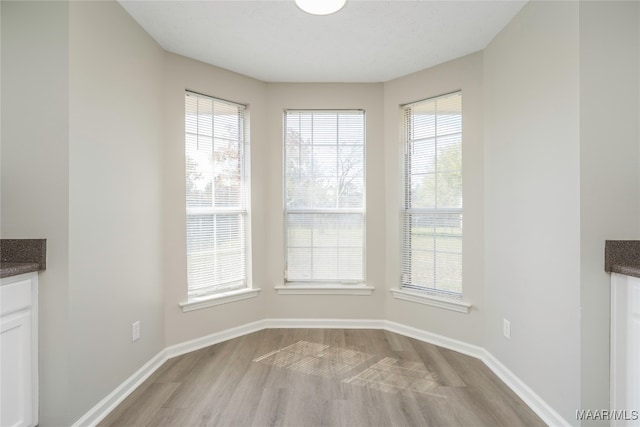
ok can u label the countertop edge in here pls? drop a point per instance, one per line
(10, 269)
(627, 270)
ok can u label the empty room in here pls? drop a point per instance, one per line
(259, 213)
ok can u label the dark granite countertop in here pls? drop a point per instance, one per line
(19, 256)
(623, 257)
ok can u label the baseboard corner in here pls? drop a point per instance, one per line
(519, 387)
(113, 399)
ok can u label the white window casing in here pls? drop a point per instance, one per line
(217, 197)
(432, 214)
(324, 199)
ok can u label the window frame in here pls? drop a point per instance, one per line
(234, 290)
(409, 290)
(323, 286)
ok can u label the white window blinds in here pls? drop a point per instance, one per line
(216, 195)
(324, 196)
(432, 215)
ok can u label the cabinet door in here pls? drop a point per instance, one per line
(15, 369)
(625, 350)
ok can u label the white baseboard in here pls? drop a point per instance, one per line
(431, 338)
(519, 387)
(215, 338)
(325, 323)
(113, 399)
(535, 402)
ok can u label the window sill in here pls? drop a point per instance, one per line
(432, 300)
(323, 289)
(218, 299)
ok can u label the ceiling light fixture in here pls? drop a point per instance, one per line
(320, 7)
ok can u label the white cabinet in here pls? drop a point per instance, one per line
(19, 350)
(625, 350)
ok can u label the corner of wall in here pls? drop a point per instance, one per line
(609, 159)
(35, 168)
(532, 203)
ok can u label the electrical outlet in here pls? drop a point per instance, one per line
(135, 331)
(506, 329)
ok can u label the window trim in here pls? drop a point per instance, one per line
(317, 286)
(209, 296)
(219, 298)
(430, 296)
(324, 288)
(426, 298)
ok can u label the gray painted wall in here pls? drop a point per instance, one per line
(367, 96)
(35, 173)
(532, 200)
(609, 172)
(115, 200)
(82, 167)
(463, 74)
(182, 73)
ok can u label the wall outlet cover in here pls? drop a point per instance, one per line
(506, 329)
(135, 331)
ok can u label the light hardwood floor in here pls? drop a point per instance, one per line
(323, 377)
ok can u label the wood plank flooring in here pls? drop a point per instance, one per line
(323, 377)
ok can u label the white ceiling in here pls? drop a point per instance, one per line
(367, 41)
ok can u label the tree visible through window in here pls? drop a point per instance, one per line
(216, 195)
(324, 196)
(432, 215)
